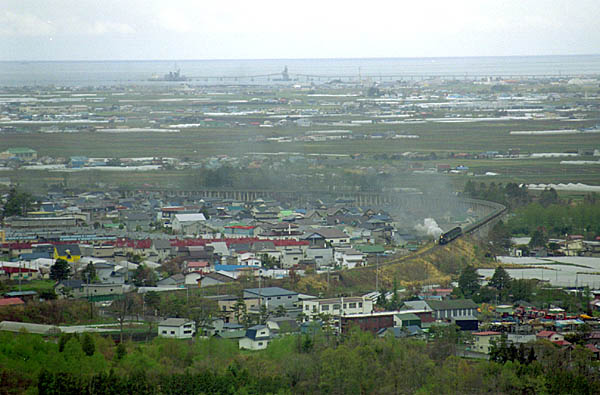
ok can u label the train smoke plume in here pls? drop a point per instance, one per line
(429, 228)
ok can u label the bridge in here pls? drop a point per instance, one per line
(301, 77)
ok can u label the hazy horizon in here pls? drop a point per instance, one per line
(299, 58)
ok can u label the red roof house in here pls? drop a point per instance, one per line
(11, 302)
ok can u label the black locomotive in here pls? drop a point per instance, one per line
(450, 235)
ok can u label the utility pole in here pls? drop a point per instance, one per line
(20, 274)
(88, 295)
(377, 273)
(260, 297)
(341, 313)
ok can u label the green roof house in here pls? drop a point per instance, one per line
(21, 153)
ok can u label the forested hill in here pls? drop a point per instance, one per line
(357, 363)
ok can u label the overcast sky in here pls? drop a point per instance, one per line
(265, 29)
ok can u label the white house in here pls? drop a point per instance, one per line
(177, 328)
(248, 259)
(291, 257)
(187, 222)
(348, 258)
(331, 236)
(322, 256)
(337, 306)
(484, 341)
(257, 338)
(273, 273)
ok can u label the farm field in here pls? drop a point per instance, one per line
(394, 133)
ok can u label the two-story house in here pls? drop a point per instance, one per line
(177, 328)
(273, 297)
(336, 306)
(257, 338)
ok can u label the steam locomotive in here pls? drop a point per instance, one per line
(450, 235)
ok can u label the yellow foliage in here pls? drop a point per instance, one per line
(311, 284)
(408, 271)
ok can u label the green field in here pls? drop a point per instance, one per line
(244, 108)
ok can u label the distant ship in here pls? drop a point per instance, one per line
(171, 76)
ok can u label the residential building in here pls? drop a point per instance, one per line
(69, 252)
(177, 328)
(229, 306)
(193, 278)
(485, 340)
(282, 325)
(518, 338)
(95, 292)
(110, 273)
(42, 222)
(215, 278)
(224, 329)
(407, 319)
(176, 280)
(291, 257)
(327, 236)
(25, 296)
(322, 256)
(273, 297)
(402, 331)
(348, 258)
(21, 153)
(373, 322)
(188, 223)
(257, 338)
(337, 306)
(239, 230)
(452, 309)
(135, 221)
(11, 302)
(162, 248)
(550, 336)
(15, 273)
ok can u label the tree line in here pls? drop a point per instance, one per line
(317, 363)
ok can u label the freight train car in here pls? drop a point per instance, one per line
(450, 235)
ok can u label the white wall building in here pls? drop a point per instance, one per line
(337, 306)
(177, 328)
(348, 258)
(186, 222)
(322, 256)
(257, 338)
(291, 257)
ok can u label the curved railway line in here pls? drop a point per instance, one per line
(498, 211)
(489, 211)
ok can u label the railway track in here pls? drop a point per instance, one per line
(499, 210)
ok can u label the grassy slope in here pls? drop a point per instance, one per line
(420, 268)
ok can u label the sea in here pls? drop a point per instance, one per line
(107, 73)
